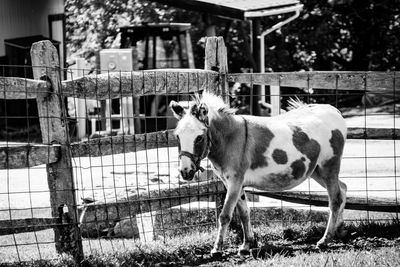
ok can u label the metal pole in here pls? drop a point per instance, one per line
(275, 107)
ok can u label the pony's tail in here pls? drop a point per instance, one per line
(294, 103)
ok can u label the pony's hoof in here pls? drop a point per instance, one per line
(243, 252)
(244, 249)
(322, 244)
(341, 233)
(216, 255)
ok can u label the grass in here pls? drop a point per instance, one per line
(367, 244)
(374, 257)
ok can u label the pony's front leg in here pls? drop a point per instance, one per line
(231, 199)
(244, 213)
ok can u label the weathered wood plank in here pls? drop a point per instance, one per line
(138, 83)
(99, 216)
(131, 143)
(369, 81)
(55, 130)
(172, 81)
(8, 227)
(216, 59)
(315, 199)
(27, 155)
(21, 88)
(123, 144)
(373, 133)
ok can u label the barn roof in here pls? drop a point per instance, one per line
(236, 9)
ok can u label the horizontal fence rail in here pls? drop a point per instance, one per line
(124, 144)
(27, 155)
(115, 84)
(22, 88)
(352, 203)
(30, 155)
(16, 226)
(351, 80)
(139, 203)
(373, 133)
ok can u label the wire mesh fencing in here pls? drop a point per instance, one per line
(123, 160)
(123, 157)
(369, 102)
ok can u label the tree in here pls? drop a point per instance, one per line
(328, 35)
(344, 35)
(93, 24)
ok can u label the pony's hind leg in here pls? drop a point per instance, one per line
(244, 213)
(328, 178)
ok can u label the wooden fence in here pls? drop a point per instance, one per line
(56, 150)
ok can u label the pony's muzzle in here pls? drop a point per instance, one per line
(187, 174)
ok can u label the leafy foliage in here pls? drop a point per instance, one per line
(93, 24)
(339, 35)
(355, 35)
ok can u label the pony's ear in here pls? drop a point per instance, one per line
(177, 109)
(202, 113)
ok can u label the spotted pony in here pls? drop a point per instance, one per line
(266, 153)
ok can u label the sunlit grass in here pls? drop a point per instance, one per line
(388, 256)
(368, 244)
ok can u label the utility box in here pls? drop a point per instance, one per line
(121, 59)
(118, 114)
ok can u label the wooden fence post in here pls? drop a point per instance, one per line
(216, 59)
(54, 129)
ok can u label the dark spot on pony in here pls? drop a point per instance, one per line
(263, 137)
(337, 142)
(194, 110)
(298, 169)
(309, 147)
(243, 197)
(280, 156)
(200, 146)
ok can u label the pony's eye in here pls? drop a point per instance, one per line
(199, 139)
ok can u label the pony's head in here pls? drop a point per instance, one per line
(192, 131)
(192, 134)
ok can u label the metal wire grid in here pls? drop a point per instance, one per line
(370, 167)
(142, 219)
(102, 163)
(163, 223)
(17, 243)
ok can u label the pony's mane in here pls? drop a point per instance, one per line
(217, 109)
(295, 103)
(216, 105)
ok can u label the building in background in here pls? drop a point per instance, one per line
(23, 22)
(27, 18)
